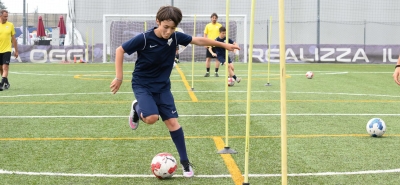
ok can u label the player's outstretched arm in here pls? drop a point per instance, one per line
(119, 57)
(201, 41)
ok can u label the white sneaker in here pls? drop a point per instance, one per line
(188, 172)
(133, 117)
(238, 79)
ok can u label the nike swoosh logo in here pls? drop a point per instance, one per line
(152, 46)
(173, 112)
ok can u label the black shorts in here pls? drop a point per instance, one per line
(209, 55)
(5, 58)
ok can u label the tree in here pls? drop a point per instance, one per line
(2, 6)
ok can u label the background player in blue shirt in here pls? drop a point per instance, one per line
(150, 79)
(220, 53)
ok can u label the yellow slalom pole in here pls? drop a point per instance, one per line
(145, 26)
(282, 51)
(87, 44)
(226, 75)
(92, 45)
(269, 48)
(249, 74)
(194, 34)
(227, 149)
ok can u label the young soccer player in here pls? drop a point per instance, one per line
(150, 80)
(220, 53)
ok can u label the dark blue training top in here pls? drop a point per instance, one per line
(221, 51)
(155, 58)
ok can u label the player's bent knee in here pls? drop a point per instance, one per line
(151, 119)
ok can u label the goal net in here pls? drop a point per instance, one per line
(118, 29)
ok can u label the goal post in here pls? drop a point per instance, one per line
(118, 28)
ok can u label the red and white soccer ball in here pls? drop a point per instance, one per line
(163, 165)
(231, 81)
(309, 74)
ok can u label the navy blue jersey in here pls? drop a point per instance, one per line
(221, 51)
(155, 58)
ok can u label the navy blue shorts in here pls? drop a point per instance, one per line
(156, 103)
(221, 59)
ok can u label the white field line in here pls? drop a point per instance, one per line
(197, 115)
(198, 176)
(42, 74)
(109, 93)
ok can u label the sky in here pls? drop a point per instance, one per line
(43, 6)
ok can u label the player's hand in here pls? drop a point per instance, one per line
(16, 54)
(231, 47)
(396, 75)
(115, 85)
(214, 55)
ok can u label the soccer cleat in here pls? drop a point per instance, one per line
(133, 116)
(188, 170)
(216, 75)
(1, 87)
(238, 79)
(6, 85)
(207, 74)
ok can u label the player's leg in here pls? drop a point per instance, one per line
(231, 69)
(169, 115)
(144, 108)
(208, 61)
(6, 62)
(216, 64)
(1, 70)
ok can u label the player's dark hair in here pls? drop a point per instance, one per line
(222, 29)
(2, 11)
(172, 13)
(214, 14)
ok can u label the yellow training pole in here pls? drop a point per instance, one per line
(87, 42)
(227, 75)
(145, 26)
(269, 49)
(194, 34)
(249, 73)
(282, 51)
(92, 45)
(227, 149)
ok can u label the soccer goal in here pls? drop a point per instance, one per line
(120, 28)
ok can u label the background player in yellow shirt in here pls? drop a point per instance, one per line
(7, 35)
(211, 31)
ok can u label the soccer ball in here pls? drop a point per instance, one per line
(231, 81)
(309, 75)
(163, 165)
(376, 127)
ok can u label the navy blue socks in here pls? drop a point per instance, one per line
(179, 139)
